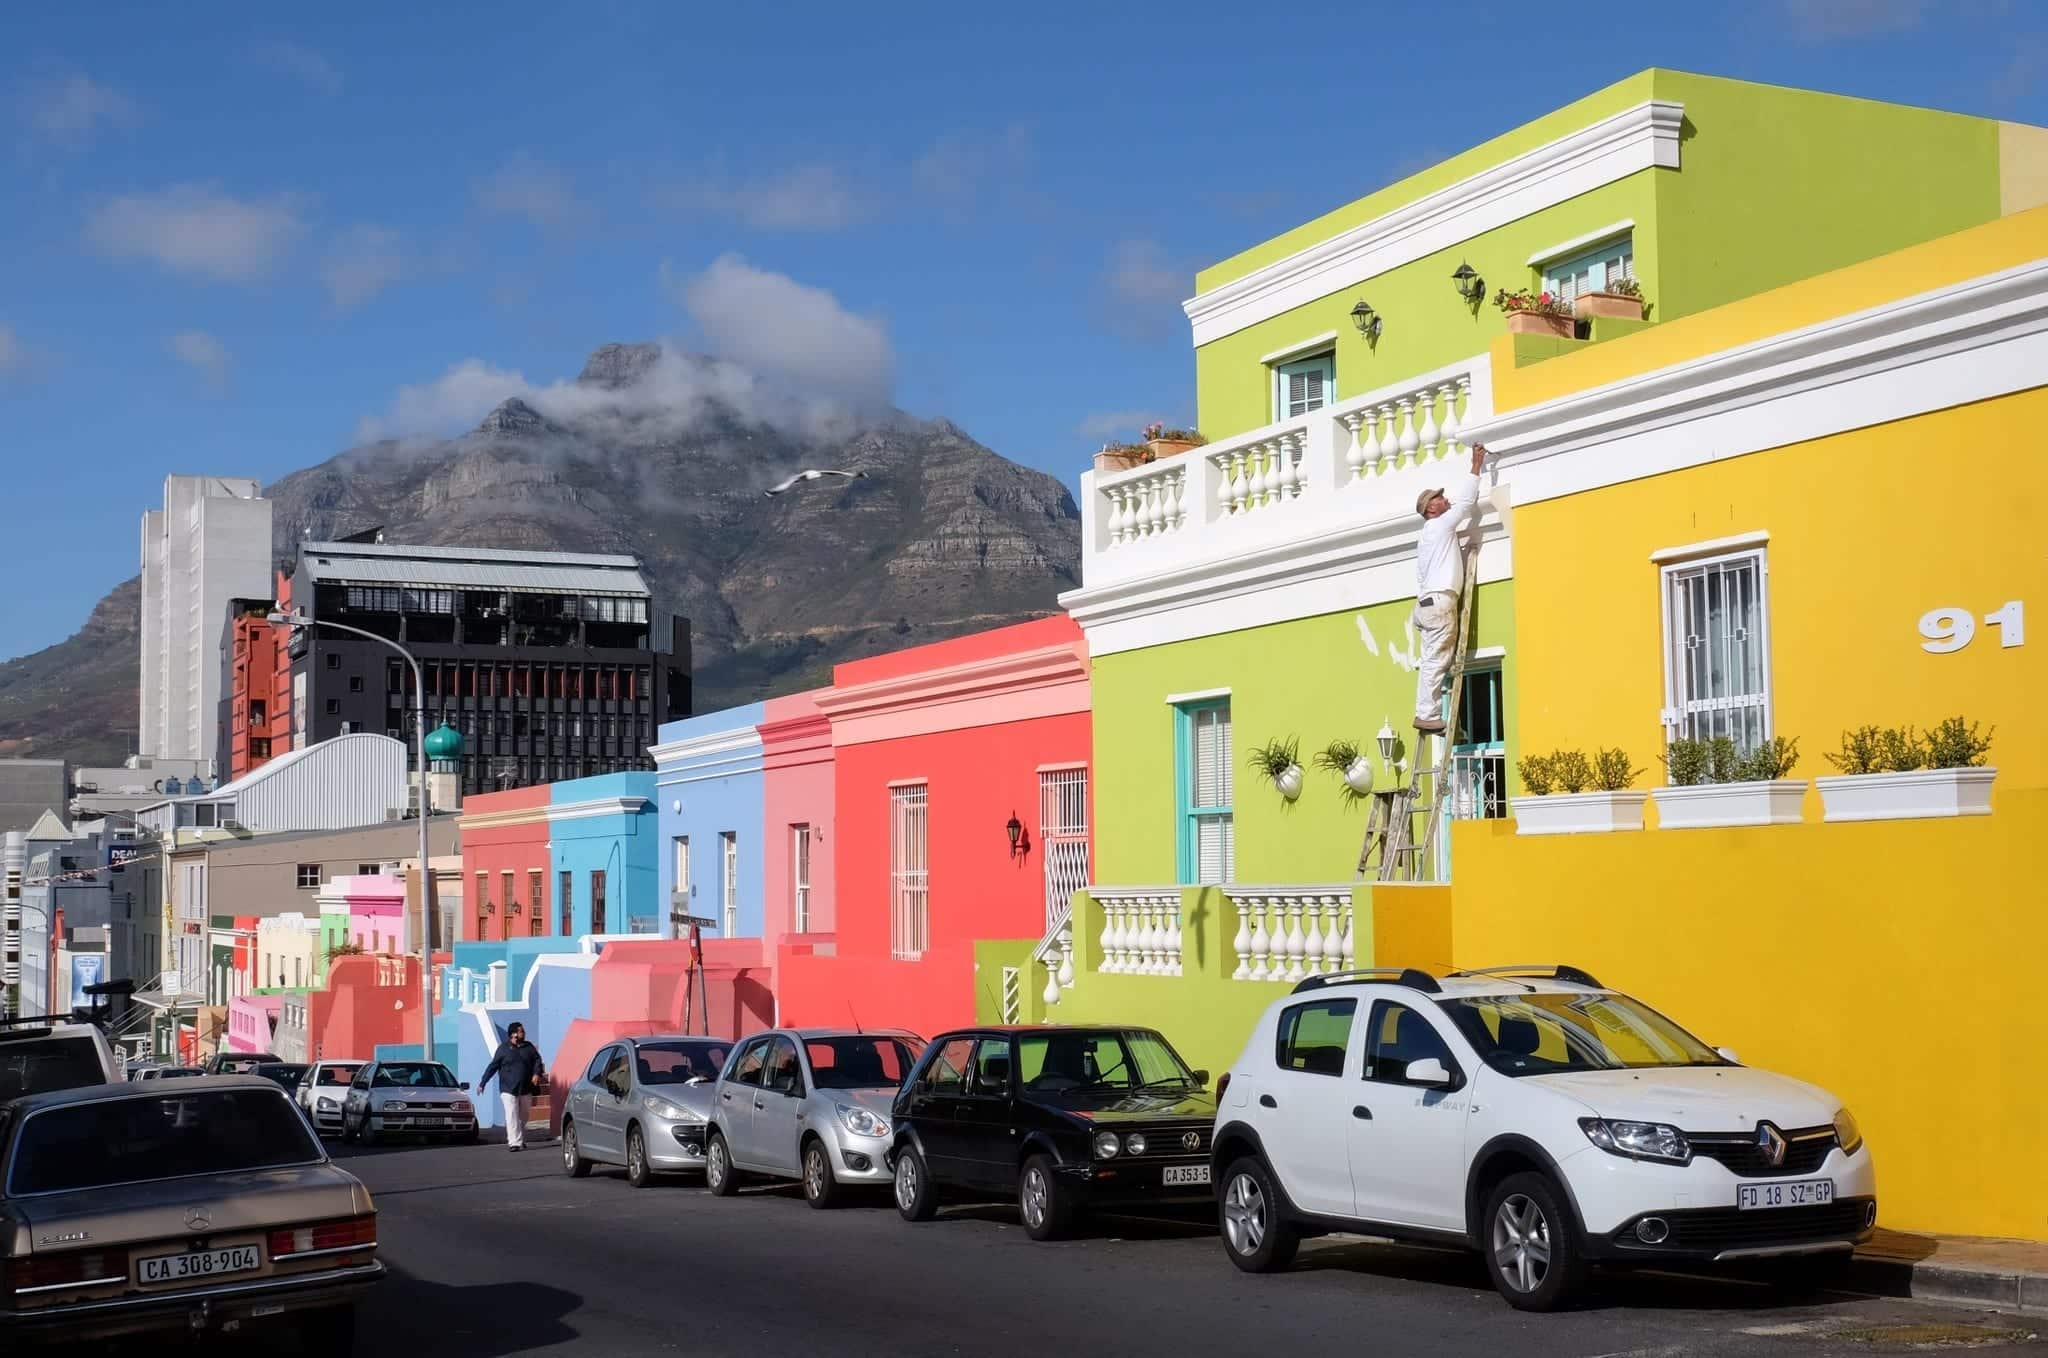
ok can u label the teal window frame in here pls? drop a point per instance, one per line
(1325, 362)
(1557, 271)
(1188, 814)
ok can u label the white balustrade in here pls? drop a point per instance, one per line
(1146, 502)
(1141, 930)
(1290, 933)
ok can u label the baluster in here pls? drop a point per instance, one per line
(1139, 945)
(1140, 511)
(1294, 940)
(1354, 454)
(1066, 972)
(1408, 440)
(1115, 496)
(1389, 445)
(1109, 944)
(1262, 941)
(1312, 937)
(1051, 993)
(1181, 482)
(1348, 947)
(1173, 959)
(1240, 490)
(1449, 392)
(1275, 451)
(1428, 436)
(1224, 493)
(1158, 520)
(1242, 942)
(1297, 466)
(1126, 938)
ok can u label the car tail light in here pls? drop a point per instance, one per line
(326, 1237)
(72, 1268)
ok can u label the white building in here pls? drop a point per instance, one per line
(209, 543)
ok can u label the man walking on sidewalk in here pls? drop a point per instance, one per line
(1439, 583)
(520, 1072)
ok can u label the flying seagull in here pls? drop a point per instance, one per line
(812, 475)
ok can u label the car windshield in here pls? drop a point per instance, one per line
(414, 1075)
(1553, 1033)
(178, 1072)
(285, 1073)
(336, 1075)
(869, 1061)
(676, 1063)
(1119, 1059)
(143, 1137)
(238, 1065)
(34, 1065)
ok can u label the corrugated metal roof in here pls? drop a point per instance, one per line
(412, 570)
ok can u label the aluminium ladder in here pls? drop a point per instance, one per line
(1390, 827)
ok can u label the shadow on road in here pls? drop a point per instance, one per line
(489, 1321)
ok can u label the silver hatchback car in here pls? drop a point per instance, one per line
(810, 1104)
(644, 1103)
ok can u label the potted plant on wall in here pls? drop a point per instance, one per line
(1714, 785)
(1121, 457)
(1569, 794)
(1163, 442)
(1896, 773)
(1352, 767)
(1539, 313)
(1279, 763)
(1622, 297)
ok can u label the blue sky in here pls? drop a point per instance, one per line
(236, 242)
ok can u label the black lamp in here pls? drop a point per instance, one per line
(1019, 844)
(1469, 284)
(1366, 319)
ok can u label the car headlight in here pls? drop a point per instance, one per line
(1847, 1134)
(1637, 1140)
(1135, 1143)
(390, 1105)
(861, 1122)
(329, 1101)
(1106, 1145)
(665, 1110)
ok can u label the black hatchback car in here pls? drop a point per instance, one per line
(1065, 1119)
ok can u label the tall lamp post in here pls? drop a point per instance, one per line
(419, 737)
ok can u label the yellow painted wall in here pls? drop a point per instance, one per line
(1896, 963)
(1868, 531)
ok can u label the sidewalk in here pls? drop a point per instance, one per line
(2011, 1275)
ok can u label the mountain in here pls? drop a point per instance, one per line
(665, 456)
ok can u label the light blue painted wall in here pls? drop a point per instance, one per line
(704, 796)
(623, 846)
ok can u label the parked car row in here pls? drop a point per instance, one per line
(1532, 1115)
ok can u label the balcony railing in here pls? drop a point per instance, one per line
(1288, 933)
(1141, 930)
(1359, 461)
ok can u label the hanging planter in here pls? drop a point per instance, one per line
(1279, 763)
(1352, 767)
(1900, 774)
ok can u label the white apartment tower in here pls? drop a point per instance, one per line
(209, 543)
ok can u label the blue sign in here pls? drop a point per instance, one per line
(87, 968)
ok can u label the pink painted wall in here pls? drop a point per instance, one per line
(369, 1001)
(377, 919)
(796, 758)
(251, 1020)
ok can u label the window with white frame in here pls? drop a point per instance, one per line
(681, 885)
(1063, 837)
(1203, 760)
(1592, 270)
(729, 880)
(1717, 649)
(800, 878)
(1303, 385)
(909, 871)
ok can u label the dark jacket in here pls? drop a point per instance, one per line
(516, 1068)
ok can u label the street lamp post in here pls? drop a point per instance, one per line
(419, 736)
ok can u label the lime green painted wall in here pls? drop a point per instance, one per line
(1776, 185)
(1314, 678)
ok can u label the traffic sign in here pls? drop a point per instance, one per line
(698, 921)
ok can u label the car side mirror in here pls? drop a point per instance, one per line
(1202, 1078)
(1430, 1072)
(464, 1086)
(1727, 1054)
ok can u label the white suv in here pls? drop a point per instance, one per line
(1535, 1116)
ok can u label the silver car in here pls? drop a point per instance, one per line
(810, 1104)
(644, 1103)
(322, 1091)
(390, 1098)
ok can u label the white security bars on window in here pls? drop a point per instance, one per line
(1063, 838)
(1716, 625)
(909, 872)
(800, 878)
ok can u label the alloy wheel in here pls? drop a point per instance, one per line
(1521, 1243)
(906, 1183)
(1033, 1198)
(636, 1157)
(569, 1147)
(814, 1172)
(715, 1166)
(1244, 1215)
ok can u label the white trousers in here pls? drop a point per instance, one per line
(516, 1106)
(1436, 624)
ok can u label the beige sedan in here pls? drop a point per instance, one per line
(187, 1207)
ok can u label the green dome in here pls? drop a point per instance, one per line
(444, 742)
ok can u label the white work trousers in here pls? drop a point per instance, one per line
(516, 1106)
(1436, 624)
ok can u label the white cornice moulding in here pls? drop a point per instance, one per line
(598, 806)
(1711, 547)
(1636, 139)
(1199, 695)
(1314, 344)
(497, 820)
(732, 740)
(1015, 673)
(1577, 243)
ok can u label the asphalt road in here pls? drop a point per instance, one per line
(495, 1254)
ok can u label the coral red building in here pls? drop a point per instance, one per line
(505, 866)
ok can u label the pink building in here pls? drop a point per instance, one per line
(377, 919)
(797, 827)
(252, 1019)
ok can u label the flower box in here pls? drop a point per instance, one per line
(1710, 806)
(1120, 459)
(1541, 323)
(1169, 447)
(1578, 813)
(1906, 796)
(1590, 304)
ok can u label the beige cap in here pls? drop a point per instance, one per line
(1422, 500)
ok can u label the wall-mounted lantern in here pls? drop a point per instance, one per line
(1469, 284)
(1366, 319)
(1020, 843)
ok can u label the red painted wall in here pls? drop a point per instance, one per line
(497, 849)
(797, 762)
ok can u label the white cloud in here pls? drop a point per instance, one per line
(197, 229)
(1143, 290)
(73, 110)
(1118, 424)
(814, 197)
(203, 354)
(774, 325)
(302, 64)
(363, 261)
(534, 192)
(962, 169)
(1820, 20)
(455, 400)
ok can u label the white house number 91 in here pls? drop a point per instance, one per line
(1951, 629)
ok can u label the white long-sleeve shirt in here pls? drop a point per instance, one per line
(1439, 561)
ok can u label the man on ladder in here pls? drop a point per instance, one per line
(1439, 583)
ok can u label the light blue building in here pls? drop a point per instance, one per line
(603, 848)
(709, 784)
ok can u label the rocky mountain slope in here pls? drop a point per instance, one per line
(665, 456)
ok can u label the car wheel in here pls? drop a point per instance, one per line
(1256, 1234)
(330, 1334)
(1047, 1208)
(821, 1189)
(1532, 1250)
(637, 1173)
(573, 1163)
(719, 1175)
(917, 1197)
